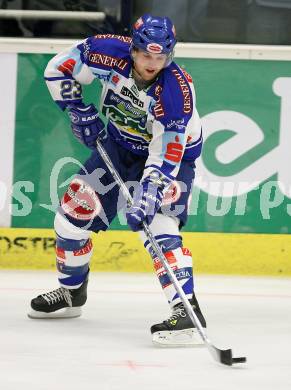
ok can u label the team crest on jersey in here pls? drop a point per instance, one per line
(173, 194)
(81, 201)
(154, 48)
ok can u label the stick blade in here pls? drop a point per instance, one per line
(224, 356)
(242, 359)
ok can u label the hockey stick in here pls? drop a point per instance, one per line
(222, 356)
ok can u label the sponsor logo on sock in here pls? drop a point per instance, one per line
(86, 249)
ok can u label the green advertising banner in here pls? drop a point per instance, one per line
(242, 180)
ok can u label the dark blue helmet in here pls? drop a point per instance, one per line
(154, 34)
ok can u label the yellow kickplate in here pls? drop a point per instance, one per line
(213, 253)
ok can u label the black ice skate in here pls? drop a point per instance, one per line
(59, 303)
(178, 330)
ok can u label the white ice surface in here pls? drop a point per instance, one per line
(110, 347)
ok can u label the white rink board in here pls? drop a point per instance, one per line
(8, 76)
(183, 50)
(110, 348)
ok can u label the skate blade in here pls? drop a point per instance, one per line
(67, 312)
(178, 338)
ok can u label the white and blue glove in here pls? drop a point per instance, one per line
(147, 200)
(86, 124)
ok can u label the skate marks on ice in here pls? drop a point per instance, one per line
(110, 346)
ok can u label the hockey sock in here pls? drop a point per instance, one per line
(180, 260)
(73, 258)
(166, 232)
(73, 253)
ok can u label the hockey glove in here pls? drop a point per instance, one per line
(86, 124)
(147, 200)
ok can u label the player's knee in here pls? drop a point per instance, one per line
(81, 201)
(166, 232)
(167, 244)
(78, 247)
(66, 229)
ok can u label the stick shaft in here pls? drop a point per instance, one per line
(154, 245)
(222, 356)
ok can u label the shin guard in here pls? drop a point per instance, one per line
(180, 260)
(73, 258)
(166, 232)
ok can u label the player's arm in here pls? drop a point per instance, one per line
(165, 152)
(64, 75)
(177, 130)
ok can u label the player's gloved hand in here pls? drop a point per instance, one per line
(86, 124)
(147, 200)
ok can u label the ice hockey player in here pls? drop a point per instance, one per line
(153, 137)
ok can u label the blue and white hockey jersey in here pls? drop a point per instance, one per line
(160, 122)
